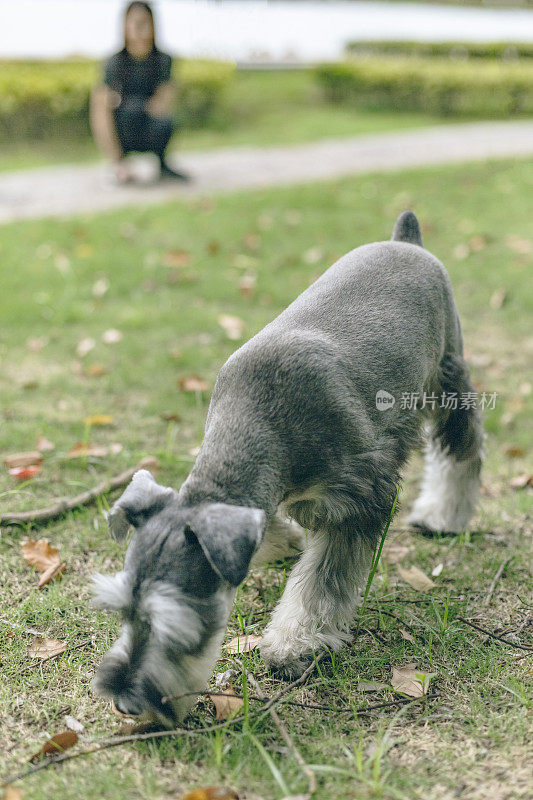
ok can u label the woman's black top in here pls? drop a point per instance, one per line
(135, 79)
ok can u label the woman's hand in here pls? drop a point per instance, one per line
(161, 103)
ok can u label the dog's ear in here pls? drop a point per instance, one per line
(142, 498)
(229, 536)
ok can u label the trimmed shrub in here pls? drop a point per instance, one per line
(459, 51)
(42, 99)
(486, 89)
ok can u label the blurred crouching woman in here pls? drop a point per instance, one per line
(131, 112)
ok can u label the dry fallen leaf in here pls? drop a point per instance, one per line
(73, 724)
(28, 459)
(176, 258)
(415, 578)
(98, 419)
(43, 649)
(12, 793)
(41, 555)
(407, 636)
(84, 449)
(313, 255)
(521, 481)
(395, 552)
(95, 371)
(24, 473)
(498, 298)
(100, 287)
(513, 451)
(243, 644)
(85, 346)
(519, 245)
(170, 416)
(232, 326)
(44, 444)
(211, 793)
(193, 383)
(247, 285)
(57, 744)
(227, 704)
(112, 336)
(410, 681)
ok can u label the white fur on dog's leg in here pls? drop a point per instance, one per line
(449, 491)
(318, 604)
(283, 539)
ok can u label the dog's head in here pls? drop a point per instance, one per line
(174, 594)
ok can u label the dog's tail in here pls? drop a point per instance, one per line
(407, 229)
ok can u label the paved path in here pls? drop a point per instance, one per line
(62, 191)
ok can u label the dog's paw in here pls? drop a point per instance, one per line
(288, 668)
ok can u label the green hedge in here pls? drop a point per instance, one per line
(506, 51)
(486, 89)
(41, 99)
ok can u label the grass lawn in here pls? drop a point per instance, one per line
(162, 276)
(261, 108)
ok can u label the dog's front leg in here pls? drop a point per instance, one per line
(318, 604)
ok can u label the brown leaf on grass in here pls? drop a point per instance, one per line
(415, 578)
(247, 285)
(410, 681)
(232, 326)
(112, 336)
(407, 636)
(193, 383)
(522, 246)
(513, 451)
(43, 649)
(56, 745)
(176, 258)
(521, 481)
(43, 444)
(12, 793)
(211, 793)
(95, 371)
(84, 449)
(24, 473)
(227, 704)
(41, 555)
(98, 420)
(170, 416)
(497, 298)
(243, 644)
(252, 241)
(85, 346)
(395, 552)
(31, 458)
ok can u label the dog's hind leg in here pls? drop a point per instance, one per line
(453, 457)
(319, 601)
(283, 539)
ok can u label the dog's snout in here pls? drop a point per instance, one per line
(126, 706)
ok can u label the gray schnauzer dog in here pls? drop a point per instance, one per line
(295, 432)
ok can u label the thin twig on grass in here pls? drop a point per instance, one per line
(495, 580)
(139, 737)
(42, 515)
(302, 763)
(498, 637)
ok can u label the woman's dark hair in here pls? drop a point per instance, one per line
(138, 4)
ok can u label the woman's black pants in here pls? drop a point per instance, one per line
(138, 132)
